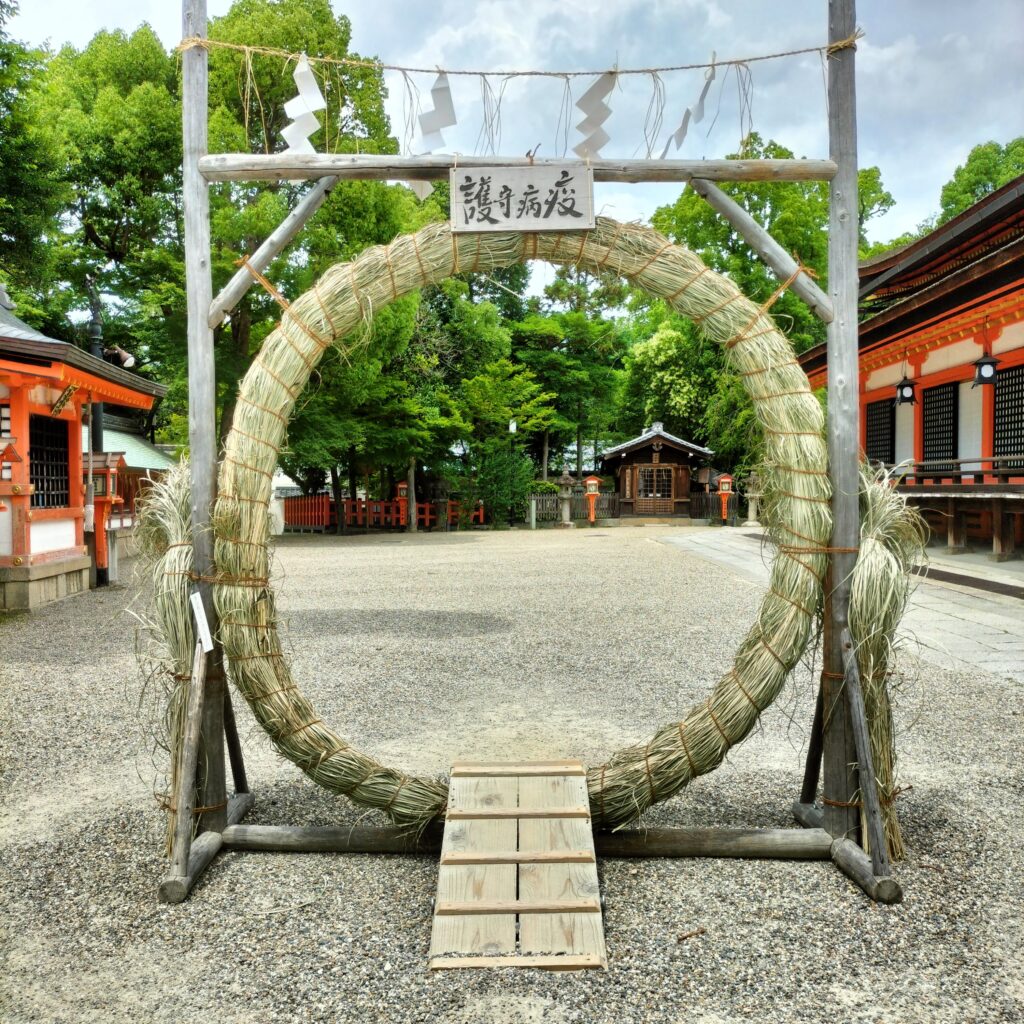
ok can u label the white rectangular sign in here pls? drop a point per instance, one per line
(545, 197)
(202, 624)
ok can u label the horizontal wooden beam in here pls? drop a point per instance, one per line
(780, 843)
(548, 961)
(760, 843)
(586, 905)
(488, 771)
(300, 166)
(331, 839)
(519, 857)
(856, 865)
(232, 292)
(780, 262)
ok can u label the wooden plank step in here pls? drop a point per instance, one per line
(583, 906)
(550, 963)
(520, 857)
(517, 881)
(517, 812)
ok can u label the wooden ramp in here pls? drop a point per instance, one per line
(517, 885)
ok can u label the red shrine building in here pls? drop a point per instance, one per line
(942, 372)
(51, 542)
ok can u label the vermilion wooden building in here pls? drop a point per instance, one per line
(944, 316)
(653, 472)
(44, 387)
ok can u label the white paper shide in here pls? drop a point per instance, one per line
(543, 197)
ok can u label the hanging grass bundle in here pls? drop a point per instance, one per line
(336, 313)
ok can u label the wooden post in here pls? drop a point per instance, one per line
(202, 415)
(812, 769)
(841, 818)
(234, 746)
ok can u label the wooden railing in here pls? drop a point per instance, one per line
(549, 509)
(1000, 469)
(318, 512)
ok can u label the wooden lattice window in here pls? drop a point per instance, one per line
(880, 424)
(1008, 435)
(940, 407)
(48, 462)
(654, 482)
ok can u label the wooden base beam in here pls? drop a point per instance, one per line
(174, 888)
(435, 167)
(856, 865)
(780, 844)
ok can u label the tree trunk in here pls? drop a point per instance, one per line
(546, 455)
(412, 524)
(579, 451)
(339, 502)
(352, 481)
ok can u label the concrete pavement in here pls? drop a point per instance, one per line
(954, 626)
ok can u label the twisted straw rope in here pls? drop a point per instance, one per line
(797, 491)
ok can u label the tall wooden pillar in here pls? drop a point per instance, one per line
(840, 777)
(202, 426)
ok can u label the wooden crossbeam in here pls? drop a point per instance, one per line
(549, 962)
(520, 857)
(435, 167)
(470, 907)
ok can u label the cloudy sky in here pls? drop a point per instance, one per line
(935, 77)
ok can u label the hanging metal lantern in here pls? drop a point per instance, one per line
(905, 392)
(985, 370)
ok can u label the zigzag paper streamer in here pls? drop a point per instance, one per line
(442, 116)
(593, 105)
(302, 109)
(694, 113)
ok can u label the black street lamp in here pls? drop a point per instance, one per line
(512, 427)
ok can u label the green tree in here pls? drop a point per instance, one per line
(32, 188)
(988, 167)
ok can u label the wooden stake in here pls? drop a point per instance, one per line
(865, 763)
(782, 265)
(812, 769)
(855, 864)
(841, 820)
(184, 791)
(232, 292)
(234, 746)
(435, 167)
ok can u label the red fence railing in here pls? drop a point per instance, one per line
(318, 512)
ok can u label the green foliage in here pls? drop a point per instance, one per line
(502, 479)
(988, 167)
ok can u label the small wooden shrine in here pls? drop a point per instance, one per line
(653, 472)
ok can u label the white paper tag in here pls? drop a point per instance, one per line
(201, 623)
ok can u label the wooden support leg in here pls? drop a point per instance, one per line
(804, 810)
(956, 529)
(213, 784)
(234, 746)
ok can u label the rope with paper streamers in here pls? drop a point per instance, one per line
(593, 105)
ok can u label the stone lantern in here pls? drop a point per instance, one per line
(753, 488)
(565, 485)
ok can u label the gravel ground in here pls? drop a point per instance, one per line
(425, 649)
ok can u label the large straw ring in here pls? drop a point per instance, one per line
(334, 311)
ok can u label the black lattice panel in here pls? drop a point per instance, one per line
(880, 424)
(939, 412)
(1008, 436)
(48, 462)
